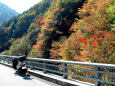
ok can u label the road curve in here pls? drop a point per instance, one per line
(8, 77)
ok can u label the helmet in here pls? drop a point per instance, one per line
(20, 55)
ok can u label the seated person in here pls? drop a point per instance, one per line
(21, 65)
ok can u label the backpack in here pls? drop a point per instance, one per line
(22, 58)
(14, 63)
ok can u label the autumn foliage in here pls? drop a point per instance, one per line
(79, 30)
(92, 39)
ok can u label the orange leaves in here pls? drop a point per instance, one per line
(35, 46)
(85, 41)
(111, 37)
(44, 20)
(36, 25)
(91, 39)
(100, 37)
(38, 22)
(86, 8)
(110, 34)
(55, 50)
(54, 11)
(54, 44)
(39, 19)
(95, 38)
(82, 57)
(38, 45)
(85, 5)
(72, 27)
(92, 7)
(94, 43)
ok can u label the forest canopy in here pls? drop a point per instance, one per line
(74, 30)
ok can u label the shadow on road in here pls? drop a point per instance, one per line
(26, 77)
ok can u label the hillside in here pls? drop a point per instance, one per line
(79, 30)
(6, 13)
(17, 27)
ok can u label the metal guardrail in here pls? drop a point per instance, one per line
(100, 74)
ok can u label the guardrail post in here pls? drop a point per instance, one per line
(30, 66)
(65, 71)
(98, 76)
(4, 59)
(44, 66)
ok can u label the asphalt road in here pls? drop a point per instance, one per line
(8, 77)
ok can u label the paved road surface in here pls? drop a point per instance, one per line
(9, 78)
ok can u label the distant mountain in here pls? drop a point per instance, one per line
(6, 13)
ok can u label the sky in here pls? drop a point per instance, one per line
(20, 5)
